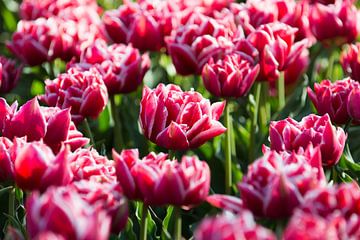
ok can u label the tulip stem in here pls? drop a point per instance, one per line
(228, 181)
(118, 141)
(144, 222)
(177, 222)
(281, 91)
(254, 121)
(51, 70)
(12, 202)
(88, 132)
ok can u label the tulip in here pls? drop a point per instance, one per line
(122, 67)
(276, 184)
(37, 168)
(350, 61)
(88, 164)
(226, 202)
(151, 178)
(179, 120)
(231, 76)
(9, 74)
(6, 161)
(108, 197)
(341, 16)
(62, 212)
(290, 135)
(242, 226)
(332, 98)
(352, 104)
(83, 91)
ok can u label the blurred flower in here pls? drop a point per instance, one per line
(341, 16)
(353, 102)
(226, 202)
(88, 164)
(332, 98)
(179, 120)
(121, 66)
(231, 76)
(9, 74)
(151, 178)
(37, 168)
(61, 212)
(52, 125)
(6, 161)
(275, 184)
(242, 226)
(193, 44)
(290, 135)
(83, 91)
(350, 61)
(107, 197)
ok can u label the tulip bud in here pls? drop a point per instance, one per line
(9, 74)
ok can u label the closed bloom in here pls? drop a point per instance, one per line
(332, 98)
(231, 76)
(352, 104)
(122, 67)
(82, 91)
(290, 135)
(350, 61)
(52, 125)
(241, 226)
(9, 74)
(179, 120)
(62, 212)
(105, 196)
(37, 168)
(6, 160)
(151, 178)
(277, 183)
(341, 16)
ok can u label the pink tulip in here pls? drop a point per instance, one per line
(351, 62)
(151, 178)
(290, 135)
(61, 212)
(9, 74)
(6, 160)
(332, 98)
(276, 184)
(231, 227)
(226, 202)
(231, 76)
(352, 104)
(37, 168)
(82, 91)
(108, 197)
(179, 120)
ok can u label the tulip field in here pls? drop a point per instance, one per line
(179, 119)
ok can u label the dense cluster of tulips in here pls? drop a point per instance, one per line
(179, 119)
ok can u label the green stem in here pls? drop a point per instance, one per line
(144, 222)
(12, 202)
(228, 150)
(51, 70)
(330, 70)
(118, 140)
(172, 154)
(88, 132)
(177, 222)
(254, 122)
(281, 91)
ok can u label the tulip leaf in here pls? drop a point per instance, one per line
(165, 233)
(5, 189)
(128, 233)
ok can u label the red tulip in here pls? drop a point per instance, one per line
(231, 76)
(108, 197)
(341, 16)
(63, 213)
(179, 120)
(242, 226)
(290, 135)
(121, 66)
(351, 62)
(88, 164)
(37, 168)
(83, 91)
(151, 178)
(332, 98)
(352, 104)
(6, 161)
(277, 183)
(9, 74)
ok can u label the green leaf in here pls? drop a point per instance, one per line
(5, 189)
(165, 235)
(128, 233)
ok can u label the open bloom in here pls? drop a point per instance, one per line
(277, 183)
(290, 135)
(151, 178)
(9, 74)
(82, 91)
(350, 61)
(231, 76)
(62, 212)
(332, 98)
(179, 120)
